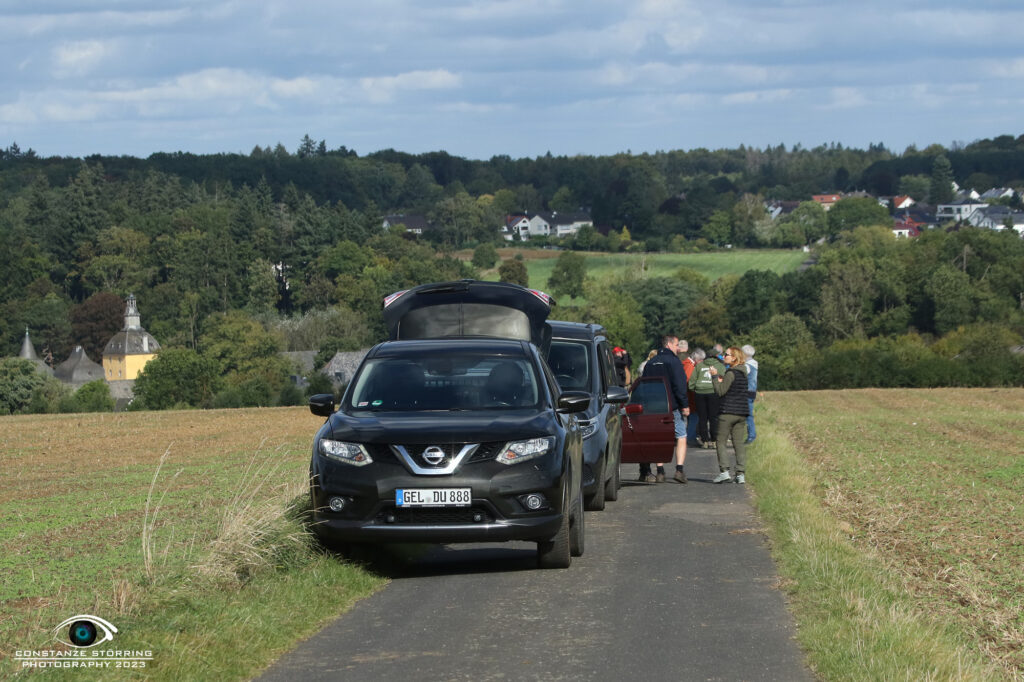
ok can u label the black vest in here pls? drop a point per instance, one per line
(735, 400)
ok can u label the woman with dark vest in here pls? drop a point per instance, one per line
(732, 420)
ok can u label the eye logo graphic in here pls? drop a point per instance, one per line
(83, 631)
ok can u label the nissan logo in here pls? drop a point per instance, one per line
(433, 455)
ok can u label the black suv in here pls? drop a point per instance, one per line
(581, 359)
(455, 429)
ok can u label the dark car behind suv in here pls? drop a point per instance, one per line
(455, 429)
(581, 358)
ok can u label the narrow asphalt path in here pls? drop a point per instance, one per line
(676, 583)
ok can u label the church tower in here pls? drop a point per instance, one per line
(130, 349)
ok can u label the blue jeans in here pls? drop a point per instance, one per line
(751, 432)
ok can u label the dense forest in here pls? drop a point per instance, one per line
(235, 257)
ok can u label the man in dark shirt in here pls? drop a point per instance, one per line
(667, 364)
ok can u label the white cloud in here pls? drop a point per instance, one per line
(846, 98)
(80, 57)
(383, 88)
(758, 97)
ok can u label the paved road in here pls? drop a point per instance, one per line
(676, 584)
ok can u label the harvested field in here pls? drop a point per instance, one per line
(931, 482)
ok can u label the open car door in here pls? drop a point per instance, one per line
(469, 308)
(648, 427)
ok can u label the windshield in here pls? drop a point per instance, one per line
(570, 363)
(445, 382)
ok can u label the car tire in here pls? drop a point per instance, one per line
(611, 488)
(554, 553)
(577, 529)
(595, 502)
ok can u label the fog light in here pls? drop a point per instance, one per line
(477, 518)
(389, 518)
(337, 503)
(534, 501)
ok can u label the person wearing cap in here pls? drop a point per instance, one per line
(622, 365)
(751, 365)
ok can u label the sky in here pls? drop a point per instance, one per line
(520, 78)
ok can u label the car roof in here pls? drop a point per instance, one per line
(455, 346)
(560, 329)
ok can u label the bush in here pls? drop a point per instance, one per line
(94, 397)
(290, 395)
(319, 383)
(174, 376)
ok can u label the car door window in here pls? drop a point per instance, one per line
(652, 396)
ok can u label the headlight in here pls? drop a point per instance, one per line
(349, 453)
(522, 450)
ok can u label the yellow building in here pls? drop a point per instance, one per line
(130, 349)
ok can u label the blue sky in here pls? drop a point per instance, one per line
(515, 77)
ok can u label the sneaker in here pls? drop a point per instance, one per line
(680, 476)
(649, 478)
(722, 477)
(748, 441)
(660, 478)
(740, 478)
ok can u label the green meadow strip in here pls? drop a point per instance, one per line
(853, 619)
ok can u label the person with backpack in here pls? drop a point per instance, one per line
(702, 385)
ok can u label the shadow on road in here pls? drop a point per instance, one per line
(397, 561)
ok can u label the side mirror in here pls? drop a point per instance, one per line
(322, 404)
(634, 408)
(573, 401)
(616, 394)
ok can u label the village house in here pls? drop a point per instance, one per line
(543, 224)
(958, 209)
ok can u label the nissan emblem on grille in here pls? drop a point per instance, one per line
(433, 455)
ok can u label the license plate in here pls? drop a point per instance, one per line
(433, 497)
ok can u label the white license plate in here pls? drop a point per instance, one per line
(433, 497)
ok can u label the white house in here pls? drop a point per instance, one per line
(517, 224)
(995, 218)
(960, 209)
(539, 227)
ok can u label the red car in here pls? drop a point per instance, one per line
(648, 428)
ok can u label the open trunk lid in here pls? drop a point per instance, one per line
(469, 308)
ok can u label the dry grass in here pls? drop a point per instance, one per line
(930, 483)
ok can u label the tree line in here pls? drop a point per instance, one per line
(287, 250)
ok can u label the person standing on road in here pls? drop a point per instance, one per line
(622, 365)
(752, 368)
(691, 399)
(702, 384)
(667, 364)
(732, 389)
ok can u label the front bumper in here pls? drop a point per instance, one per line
(496, 512)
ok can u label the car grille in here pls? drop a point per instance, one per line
(435, 516)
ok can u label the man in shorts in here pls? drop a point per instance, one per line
(667, 364)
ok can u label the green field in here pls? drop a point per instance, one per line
(600, 266)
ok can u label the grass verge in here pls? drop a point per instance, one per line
(868, 608)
